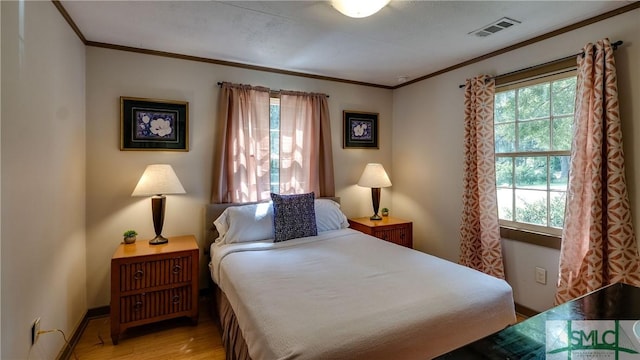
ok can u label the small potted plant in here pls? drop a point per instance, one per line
(130, 236)
(385, 211)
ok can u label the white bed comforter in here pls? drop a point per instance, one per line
(347, 295)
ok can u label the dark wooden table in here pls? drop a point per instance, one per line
(526, 340)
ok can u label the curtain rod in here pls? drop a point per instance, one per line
(270, 91)
(614, 45)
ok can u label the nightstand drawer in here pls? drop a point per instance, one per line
(391, 229)
(148, 274)
(155, 304)
(398, 235)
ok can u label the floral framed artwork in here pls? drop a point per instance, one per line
(360, 129)
(150, 124)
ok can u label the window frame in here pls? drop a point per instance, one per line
(534, 234)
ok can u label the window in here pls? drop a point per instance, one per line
(271, 142)
(274, 144)
(533, 134)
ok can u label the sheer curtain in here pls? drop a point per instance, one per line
(241, 160)
(306, 160)
(598, 242)
(480, 246)
(241, 166)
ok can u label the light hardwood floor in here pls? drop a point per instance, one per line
(520, 317)
(171, 339)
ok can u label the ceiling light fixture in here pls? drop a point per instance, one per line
(359, 8)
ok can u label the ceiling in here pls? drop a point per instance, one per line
(406, 39)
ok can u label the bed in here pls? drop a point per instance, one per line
(342, 294)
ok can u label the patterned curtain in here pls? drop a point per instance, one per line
(306, 160)
(241, 162)
(480, 246)
(598, 242)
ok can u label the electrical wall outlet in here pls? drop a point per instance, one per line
(35, 329)
(541, 275)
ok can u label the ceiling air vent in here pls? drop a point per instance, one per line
(494, 27)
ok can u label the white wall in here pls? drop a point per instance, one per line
(112, 174)
(0, 180)
(428, 149)
(43, 178)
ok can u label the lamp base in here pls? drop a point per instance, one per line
(375, 199)
(158, 240)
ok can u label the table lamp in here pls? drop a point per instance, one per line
(375, 178)
(157, 181)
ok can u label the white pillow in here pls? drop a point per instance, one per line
(329, 216)
(246, 223)
(222, 225)
(254, 222)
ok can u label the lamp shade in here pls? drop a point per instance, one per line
(374, 176)
(158, 179)
(359, 8)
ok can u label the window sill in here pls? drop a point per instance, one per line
(530, 237)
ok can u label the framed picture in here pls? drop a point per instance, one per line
(149, 124)
(360, 129)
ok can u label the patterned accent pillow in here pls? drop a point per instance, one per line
(294, 216)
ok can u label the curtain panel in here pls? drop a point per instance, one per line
(480, 246)
(306, 159)
(241, 160)
(598, 242)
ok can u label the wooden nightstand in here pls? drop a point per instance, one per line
(150, 283)
(391, 229)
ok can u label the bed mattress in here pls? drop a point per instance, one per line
(347, 295)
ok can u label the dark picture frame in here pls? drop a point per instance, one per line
(152, 124)
(360, 129)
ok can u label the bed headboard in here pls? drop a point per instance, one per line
(214, 210)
